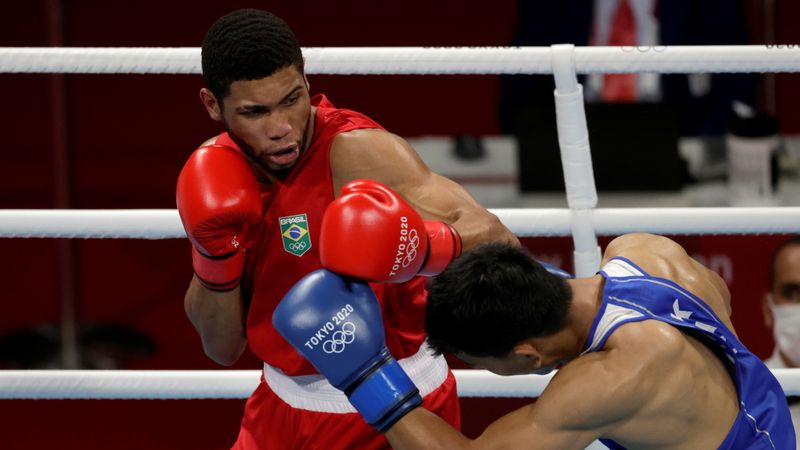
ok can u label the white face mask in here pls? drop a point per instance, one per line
(786, 328)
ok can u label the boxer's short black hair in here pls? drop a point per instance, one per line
(492, 298)
(247, 44)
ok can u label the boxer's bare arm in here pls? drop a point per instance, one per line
(586, 399)
(647, 388)
(218, 319)
(389, 159)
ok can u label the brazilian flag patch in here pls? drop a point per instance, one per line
(294, 231)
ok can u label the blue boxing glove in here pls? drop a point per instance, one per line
(336, 324)
(557, 271)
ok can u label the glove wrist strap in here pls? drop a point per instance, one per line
(444, 245)
(218, 273)
(385, 396)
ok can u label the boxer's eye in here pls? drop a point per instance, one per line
(252, 111)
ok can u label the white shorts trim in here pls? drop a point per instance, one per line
(314, 393)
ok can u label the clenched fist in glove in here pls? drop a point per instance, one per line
(371, 233)
(218, 198)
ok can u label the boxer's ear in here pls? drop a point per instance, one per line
(212, 104)
(527, 350)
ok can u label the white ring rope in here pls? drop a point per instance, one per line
(239, 384)
(419, 60)
(166, 224)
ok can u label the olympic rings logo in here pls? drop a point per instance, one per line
(411, 247)
(644, 48)
(339, 340)
(782, 46)
(297, 246)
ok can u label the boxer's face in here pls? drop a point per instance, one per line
(268, 118)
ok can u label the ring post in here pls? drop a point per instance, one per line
(576, 159)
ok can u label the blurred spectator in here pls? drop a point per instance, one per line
(625, 112)
(782, 313)
(702, 100)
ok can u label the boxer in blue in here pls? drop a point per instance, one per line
(647, 353)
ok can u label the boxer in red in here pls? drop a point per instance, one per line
(252, 201)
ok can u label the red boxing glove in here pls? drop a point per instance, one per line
(218, 198)
(371, 233)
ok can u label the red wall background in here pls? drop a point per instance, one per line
(127, 137)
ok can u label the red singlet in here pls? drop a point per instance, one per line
(283, 249)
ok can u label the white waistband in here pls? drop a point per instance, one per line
(314, 393)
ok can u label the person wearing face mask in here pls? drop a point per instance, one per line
(782, 312)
